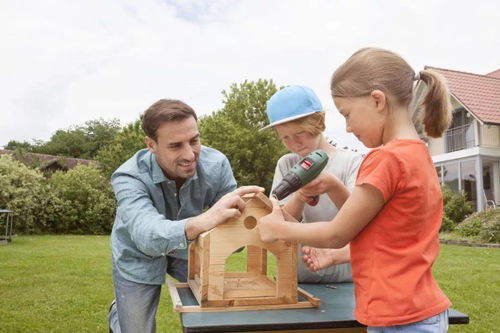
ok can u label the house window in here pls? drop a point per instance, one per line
(439, 174)
(450, 176)
(468, 181)
(460, 135)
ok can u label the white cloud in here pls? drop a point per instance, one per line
(64, 63)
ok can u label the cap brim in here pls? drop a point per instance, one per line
(279, 122)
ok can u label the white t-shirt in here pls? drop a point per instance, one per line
(344, 165)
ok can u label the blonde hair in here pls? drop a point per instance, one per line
(372, 69)
(313, 124)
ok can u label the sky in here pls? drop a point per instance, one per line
(67, 62)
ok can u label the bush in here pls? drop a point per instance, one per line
(25, 191)
(471, 227)
(455, 206)
(485, 225)
(447, 225)
(491, 230)
(87, 201)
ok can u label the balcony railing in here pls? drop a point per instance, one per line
(458, 138)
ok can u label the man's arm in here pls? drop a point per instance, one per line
(152, 233)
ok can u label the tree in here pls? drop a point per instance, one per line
(79, 141)
(125, 144)
(18, 145)
(235, 131)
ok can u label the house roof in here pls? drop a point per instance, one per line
(480, 94)
(44, 161)
(495, 73)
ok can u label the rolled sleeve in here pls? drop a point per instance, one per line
(150, 231)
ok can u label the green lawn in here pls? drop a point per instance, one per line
(63, 284)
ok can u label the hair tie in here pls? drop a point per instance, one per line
(416, 77)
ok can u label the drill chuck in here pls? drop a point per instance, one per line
(290, 183)
(301, 173)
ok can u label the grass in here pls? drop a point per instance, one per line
(63, 284)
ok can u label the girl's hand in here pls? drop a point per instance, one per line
(269, 225)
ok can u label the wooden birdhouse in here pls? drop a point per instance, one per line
(217, 289)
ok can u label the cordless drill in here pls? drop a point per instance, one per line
(302, 173)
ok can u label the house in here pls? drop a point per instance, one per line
(46, 163)
(467, 156)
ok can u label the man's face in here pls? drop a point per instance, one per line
(177, 148)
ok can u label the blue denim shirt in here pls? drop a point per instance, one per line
(149, 223)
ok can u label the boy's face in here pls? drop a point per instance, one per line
(362, 119)
(296, 139)
(177, 148)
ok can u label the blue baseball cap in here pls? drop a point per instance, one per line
(291, 103)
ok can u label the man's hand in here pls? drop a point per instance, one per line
(269, 225)
(229, 206)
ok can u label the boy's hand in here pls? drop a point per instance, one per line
(316, 259)
(325, 182)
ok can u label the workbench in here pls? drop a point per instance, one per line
(334, 315)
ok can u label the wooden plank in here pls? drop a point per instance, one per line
(310, 297)
(194, 308)
(204, 264)
(256, 259)
(195, 289)
(239, 305)
(235, 294)
(254, 286)
(231, 275)
(174, 294)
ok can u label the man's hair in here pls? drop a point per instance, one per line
(163, 111)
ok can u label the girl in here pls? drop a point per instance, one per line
(297, 116)
(393, 215)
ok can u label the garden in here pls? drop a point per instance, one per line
(55, 276)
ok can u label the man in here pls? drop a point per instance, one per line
(167, 195)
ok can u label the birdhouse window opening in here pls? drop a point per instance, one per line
(250, 222)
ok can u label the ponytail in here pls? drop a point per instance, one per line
(436, 106)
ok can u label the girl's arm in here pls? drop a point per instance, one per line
(360, 208)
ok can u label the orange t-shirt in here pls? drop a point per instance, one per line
(392, 257)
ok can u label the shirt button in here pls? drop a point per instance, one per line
(181, 245)
(162, 254)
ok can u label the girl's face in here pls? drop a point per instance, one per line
(363, 118)
(296, 139)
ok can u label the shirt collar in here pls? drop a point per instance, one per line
(159, 177)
